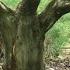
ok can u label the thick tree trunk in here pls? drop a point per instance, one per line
(31, 31)
(29, 57)
(24, 34)
(29, 44)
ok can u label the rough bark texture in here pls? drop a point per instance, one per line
(29, 37)
(8, 31)
(23, 32)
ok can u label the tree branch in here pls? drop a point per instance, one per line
(52, 13)
(4, 8)
(29, 6)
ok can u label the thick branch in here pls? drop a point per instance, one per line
(52, 13)
(28, 6)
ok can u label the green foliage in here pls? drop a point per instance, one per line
(42, 5)
(60, 33)
(11, 3)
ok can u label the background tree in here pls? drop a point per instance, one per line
(23, 32)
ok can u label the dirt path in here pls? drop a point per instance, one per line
(58, 64)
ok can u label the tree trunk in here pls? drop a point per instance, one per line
(29, 44)
(24, 34)
(30, 56)
(8, 32)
